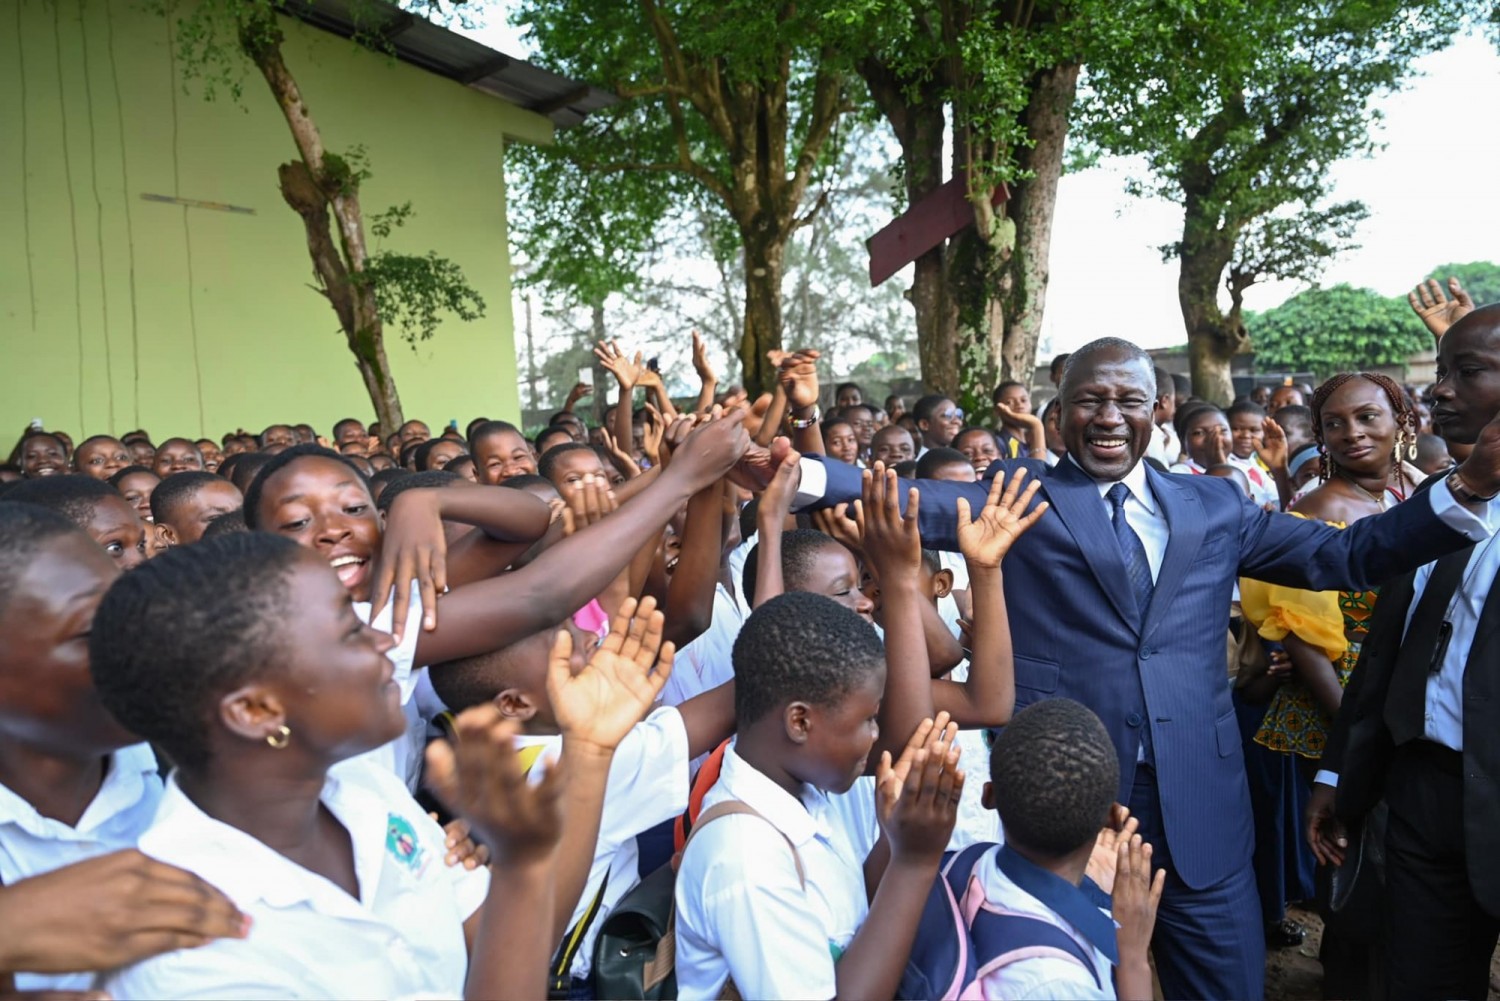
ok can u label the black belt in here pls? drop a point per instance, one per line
(1439, 756)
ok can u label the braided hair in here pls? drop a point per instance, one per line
(1401, 407)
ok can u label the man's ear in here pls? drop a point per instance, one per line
(516, 704)
(987, 797)
(797, 720)
(942, 583)
(253, 712)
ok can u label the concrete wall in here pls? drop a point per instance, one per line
(118, 312)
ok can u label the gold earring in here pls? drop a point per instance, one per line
(281, 738)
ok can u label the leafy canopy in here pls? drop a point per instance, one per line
(1336, 329)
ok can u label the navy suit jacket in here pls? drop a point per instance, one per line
(1076, 634)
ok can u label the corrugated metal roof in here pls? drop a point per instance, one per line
(434, 48)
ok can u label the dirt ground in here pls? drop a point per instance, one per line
(1296, 974)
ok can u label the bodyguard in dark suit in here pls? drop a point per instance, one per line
(1120, 599)
(1420, 723)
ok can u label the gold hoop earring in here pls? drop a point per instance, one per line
(281, 738)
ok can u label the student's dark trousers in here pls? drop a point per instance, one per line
(1438, 939)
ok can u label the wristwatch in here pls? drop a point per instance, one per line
(1464, 492)
(798, 423)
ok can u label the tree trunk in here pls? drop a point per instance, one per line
(1033, 205)
(602, 378)
(1213, 338)
(764, 257)
(312, 187)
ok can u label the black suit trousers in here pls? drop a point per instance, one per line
(1438, 939)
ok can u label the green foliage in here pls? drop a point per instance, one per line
(349, 170)
(413, 290)
(1481, 279)
(1337, 329)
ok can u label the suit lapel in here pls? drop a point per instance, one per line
(1075, 499)
(1183, 510)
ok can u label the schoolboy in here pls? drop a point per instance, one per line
(1053, 779)
(95, 507)
(184, 504)
(892, 444)
(774, 897)
(500, 452)
(945, 464)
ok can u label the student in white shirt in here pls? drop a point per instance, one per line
(1053, 778)
(317, 498)
(1247, 433)
(775, 897)
(74, 783)
(341, 870)
(648, 779)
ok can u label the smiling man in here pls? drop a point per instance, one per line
(1120, 598)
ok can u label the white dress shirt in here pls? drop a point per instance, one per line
(31, 844)
(403, 756)
(403, 936)
(1443, 716)
(741, 910)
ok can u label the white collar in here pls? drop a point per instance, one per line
(800, 820)
(1135, 481)
(127, 777)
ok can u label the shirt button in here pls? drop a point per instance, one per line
(1134, 719)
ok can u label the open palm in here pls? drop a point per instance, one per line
(985, 540)
(599, 704)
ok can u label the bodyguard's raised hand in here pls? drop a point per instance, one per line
(1436, 311)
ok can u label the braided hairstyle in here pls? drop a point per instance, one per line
(1401, 407)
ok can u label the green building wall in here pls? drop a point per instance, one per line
(119, 312)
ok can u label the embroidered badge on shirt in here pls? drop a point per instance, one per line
(401, 841)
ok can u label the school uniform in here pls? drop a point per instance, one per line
(647, 786)
(1051, 975)
(741, 909)
(1164, 447)
(708, 660)
(31, 844)
(1262, 487)
(403, 756)
(403, 937)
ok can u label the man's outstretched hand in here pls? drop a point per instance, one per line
(756, 467)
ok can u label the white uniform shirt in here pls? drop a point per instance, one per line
(708, 661)
(741, 910)
(403, 937)
(1041, 977)
(31, 844)
(403, 756)
(647, 785)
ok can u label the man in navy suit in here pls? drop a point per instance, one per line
(1120, 599)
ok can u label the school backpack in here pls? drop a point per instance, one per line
(960, 939)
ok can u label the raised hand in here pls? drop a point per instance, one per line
(1104, 860)
(985, 541)
(701, 364)
(1135, 896)
(892, 543)
(110, 911)
(656, 429)
(578, 392)
(596, 707)
(1272, 448)
(623, 460)
(1218, 446)
(460, 844)
(1436, 311)
(776, 501)
(712, 449)
(835, 521)
(482, 779)
(588, 504)
(626, 372)
(414, 549)
(917, 810)
(797, 371)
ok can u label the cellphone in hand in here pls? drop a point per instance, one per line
(586, 375)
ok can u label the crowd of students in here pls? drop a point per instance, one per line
(659, 708)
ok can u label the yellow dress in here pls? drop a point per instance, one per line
(1333, 621)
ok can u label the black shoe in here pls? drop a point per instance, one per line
(1284, 934)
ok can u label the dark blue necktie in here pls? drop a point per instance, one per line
(1137, 567)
